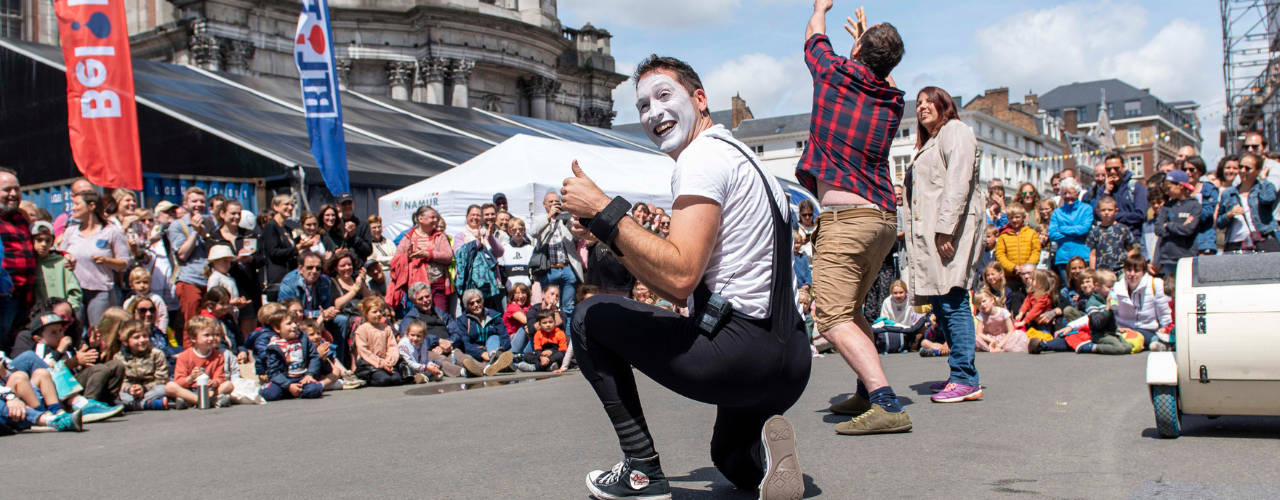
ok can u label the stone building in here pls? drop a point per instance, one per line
(508, 56)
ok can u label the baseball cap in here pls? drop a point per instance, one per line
(345, 197)
(41, 226)
(164, 206)
(46, 319)
(499, 196)
(1179, 177)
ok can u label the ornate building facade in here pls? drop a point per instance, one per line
(509, 56)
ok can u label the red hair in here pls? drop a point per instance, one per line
(943, 104)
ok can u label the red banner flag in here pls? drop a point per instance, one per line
(102, 118)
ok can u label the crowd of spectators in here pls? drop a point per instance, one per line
(113, 306)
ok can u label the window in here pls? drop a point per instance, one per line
(1134, 163)
(1134, 136)
(759, 149)
(904, 132)
(1110, 111)
(1132, 108)
(801, 144)
(900, 164)
(11, 18)
(1082, 114)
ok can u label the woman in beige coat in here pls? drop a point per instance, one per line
(944, 231)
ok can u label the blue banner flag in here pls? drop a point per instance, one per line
(317, 71)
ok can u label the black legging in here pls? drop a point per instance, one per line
(749, 372)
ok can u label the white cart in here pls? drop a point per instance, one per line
(1227, 324)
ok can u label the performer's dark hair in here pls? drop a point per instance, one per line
(1114, 155)
(882, 49)
(684, 73)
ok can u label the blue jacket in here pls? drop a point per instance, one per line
(1177, 238)
(278, 366)
(320, 298)
(1131, 202)
(472, 332)
(437, 325)
(1206, 237)
(1262, 205)
(1069, 227)
(256, 344)
(800, 266)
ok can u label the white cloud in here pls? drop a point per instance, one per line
(665, 15)
(771, 86)
(1041, 49)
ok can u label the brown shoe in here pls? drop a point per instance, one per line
(473, 367)
(501, 363)
(877, 420)
(1034, 346)
(853, 406)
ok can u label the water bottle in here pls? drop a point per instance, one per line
(202, 382)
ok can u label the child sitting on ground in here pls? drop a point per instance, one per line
(202, 358)
(54, 278)
(256, 342)
(377, 358)
(24, 407)
(417, 354)
(1082, 285)
(1039, 300)
(899, 324)
(146, 369)
(995, 332)
(342, 377)
(549, 342)
(934, 343)
(140, 284)
(217, 306)
(1068, 293)
(293, 365)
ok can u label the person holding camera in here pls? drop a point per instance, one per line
(743, 347)
(553, 236)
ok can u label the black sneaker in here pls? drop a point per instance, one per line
(632, 478)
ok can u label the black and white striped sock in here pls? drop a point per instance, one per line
(633, 433)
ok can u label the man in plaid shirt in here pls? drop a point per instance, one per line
(856, 113)
(19, 257)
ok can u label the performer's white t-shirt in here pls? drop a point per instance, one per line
(740, 267)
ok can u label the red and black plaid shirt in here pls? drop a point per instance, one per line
(19, 253)
(855, 118)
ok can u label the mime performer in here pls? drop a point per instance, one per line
(743, 346)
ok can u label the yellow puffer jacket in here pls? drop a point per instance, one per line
(1015, 249)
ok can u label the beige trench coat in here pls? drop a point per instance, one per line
(944, 199)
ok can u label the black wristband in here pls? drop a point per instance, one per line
(605, 223)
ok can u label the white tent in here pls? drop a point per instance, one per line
(524, 168)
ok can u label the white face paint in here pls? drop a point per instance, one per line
(666, 112)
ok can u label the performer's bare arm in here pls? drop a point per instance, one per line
(670, 267)
(818, 21)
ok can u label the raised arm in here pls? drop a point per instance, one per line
(818, 21)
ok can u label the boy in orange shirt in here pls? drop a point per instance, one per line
(203, 357)
(549, 341)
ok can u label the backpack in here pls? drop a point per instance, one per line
(891, 342)
(477, 268)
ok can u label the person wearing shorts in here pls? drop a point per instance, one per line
(856, 114)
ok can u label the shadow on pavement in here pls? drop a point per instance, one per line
(720, 488)
(922, 389)
(1195, 426)
(475, 383)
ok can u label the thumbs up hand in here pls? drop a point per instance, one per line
(582, 197)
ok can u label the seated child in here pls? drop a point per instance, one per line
(417, 354)
(1082, 284)
(995, 332)
(934, 343)
(337, 376)
(256, 342)
(54, 279)
(217, 305)
(293, 365)
(202, 358)
(53, 347)
(377, 357)
(1068, 292)
(144, 309)
(1140, 303)
(1038, 302)
(26, 399)
(549, 343)
(140, 283)
(146, 369)
(898, 325)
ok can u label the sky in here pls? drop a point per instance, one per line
(755, 47)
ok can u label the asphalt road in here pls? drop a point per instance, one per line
(1056, 425)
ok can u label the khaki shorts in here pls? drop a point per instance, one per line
(849, 247)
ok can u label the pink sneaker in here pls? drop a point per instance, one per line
(955, 393)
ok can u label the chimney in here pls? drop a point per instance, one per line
(999, 97)
(740, 111)
(1069, 120)
(1033, 100)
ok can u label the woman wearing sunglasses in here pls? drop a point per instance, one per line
(1028, 198)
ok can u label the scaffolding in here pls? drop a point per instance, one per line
(1250, 69)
